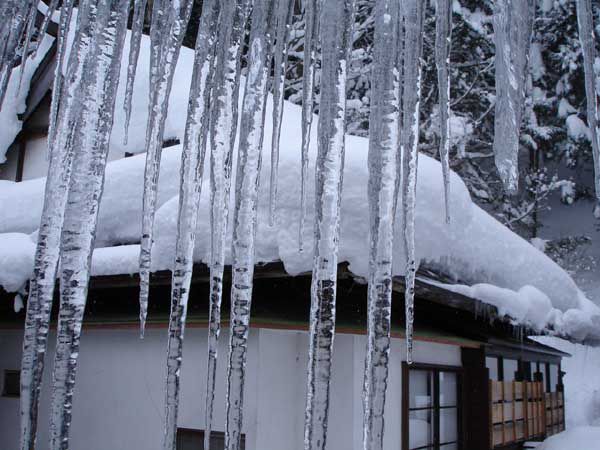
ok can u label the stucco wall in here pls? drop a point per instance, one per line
(119, 394)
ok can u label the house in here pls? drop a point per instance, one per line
(478, 382)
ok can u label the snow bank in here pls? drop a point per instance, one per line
(581, 438)
(474, 248)
(14, 100)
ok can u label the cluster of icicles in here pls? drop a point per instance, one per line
(85, 87)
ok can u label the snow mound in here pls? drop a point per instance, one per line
(581, 438)
(474, 249)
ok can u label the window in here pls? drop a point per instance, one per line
(554, 382)
(188, 439)
(431, 408)
(491, 363)
(12, 383)
(510, 369)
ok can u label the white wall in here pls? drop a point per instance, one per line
(119, 392)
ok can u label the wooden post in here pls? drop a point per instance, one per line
(525, 409)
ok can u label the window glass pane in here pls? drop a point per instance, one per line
(448, 389)
(510, 368)
(492, 364)
(448, 425)
(553, 377)
(421, 389)
(420, 428)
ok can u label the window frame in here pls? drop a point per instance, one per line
(435, 408)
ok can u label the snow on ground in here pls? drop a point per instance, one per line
(581, 380)
(580, 438)
(474, 248)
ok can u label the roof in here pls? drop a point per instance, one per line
(479, 257)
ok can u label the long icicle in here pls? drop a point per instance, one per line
(137, 26)
(284, 17)
(26, 43)
(44, 26)
(311, 20)
(66, 13)
(411, 94)
(41, 288)
(443, 35)
(173, 31)
(244, 220)
(588, 47)
(91, 138)
(232, 24)
(337, 18)
(513, 20)
(192, 168)
(384, 136)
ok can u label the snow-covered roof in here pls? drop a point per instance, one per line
(490, 262)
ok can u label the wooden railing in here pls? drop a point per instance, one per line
(521, 410)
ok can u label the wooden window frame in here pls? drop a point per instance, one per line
(436, 369)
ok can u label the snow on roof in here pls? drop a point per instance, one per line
(495, 265)
(14, 100)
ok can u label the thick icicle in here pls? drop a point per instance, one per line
(91, 139)
(173, 23)
(246, 202)
(284, 16)
(383, 147)
(232, 23)
(311, 24)
(443, 33)
(411, 95)
(337, 18)
(44, 26)
(41, 289)
(513, 21)
(137, 26)
(192, 168)
(61, 47)
(588, 46)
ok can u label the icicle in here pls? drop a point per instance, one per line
(411, 95)
(513, 21)
(26, 43)
(244, 221)
(383, 145)
(311, 20)
(42, 285)
(44, 27)
(137, 27)
(337, 18)
(588, 46)
(284, 17)
(192, 168)
(232, 23)
(65, 20)
(91, 138)
(12, 37)
(156, 38)
(165, 60)
(443, 33)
